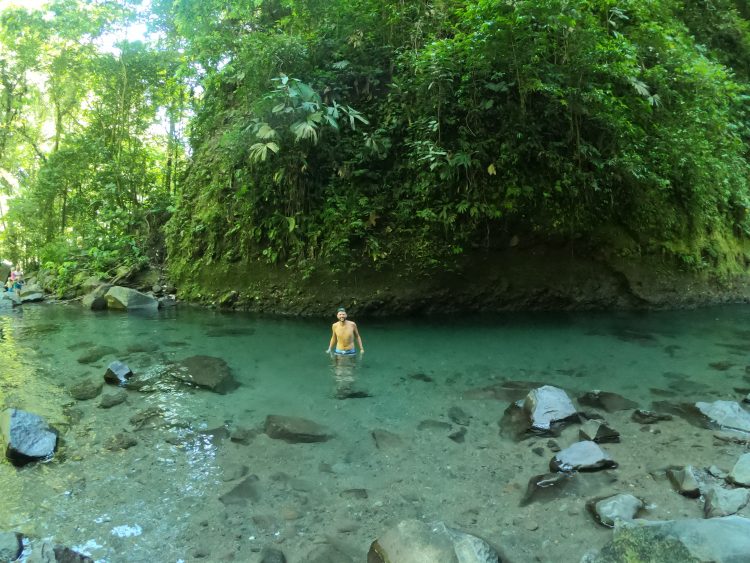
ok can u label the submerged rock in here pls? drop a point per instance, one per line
(415, 541)
(208, 372)
(242, 493)
(608, 511)
(126, 299)
(546, 486)
(47, 552)
(610, 402)
(295, 430)
(716, 540)
(86, 389)
(725, 502)
(120, 441)
(385, 439)
(458, 416)
(582, 456)
(95, 354)
(110, 400)
(27, 437)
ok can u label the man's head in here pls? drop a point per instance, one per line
(341, 314)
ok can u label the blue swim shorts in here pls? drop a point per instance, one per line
(345, 352)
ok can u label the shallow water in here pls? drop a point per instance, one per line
(161, 500)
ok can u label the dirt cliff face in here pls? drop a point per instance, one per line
(537, 278)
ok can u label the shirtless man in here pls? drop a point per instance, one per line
(342, 337)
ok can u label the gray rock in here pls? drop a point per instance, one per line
(724, 502)
(295, 430)
(412, 541)
(86, 389)
(27, 436)
(547, 405)
(95, 300)
(458, 416)
(582, 456)
(598, 431)
(115, 398)
(684, 481)
(10, 545)
(716, 540)
(95, 354)
(740, 473)
(622, 506)
(729, 415)
(117, 373)
(207, 372)
(30, 293)
(167, 302)
(124, 298)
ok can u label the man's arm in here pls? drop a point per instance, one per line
(333, 339)
(359, 338)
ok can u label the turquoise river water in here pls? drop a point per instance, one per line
(172, 496)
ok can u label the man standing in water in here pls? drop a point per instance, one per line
(342, 337)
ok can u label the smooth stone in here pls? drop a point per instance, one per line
(725, 502)
(86, 389)
(547, 405)
(719, 540)
(414, 541)
(27, 436)
(208, 372)
(684, 481)
(458, 416)
(127, 299)
(95, 354)
(110, 400)
(295, 430)
(728, 415)
(242, 493)
(622, 506)
(740, 474)
(582, 456)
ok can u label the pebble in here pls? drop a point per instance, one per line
(530, 525)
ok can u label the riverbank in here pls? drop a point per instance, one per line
(539, 278)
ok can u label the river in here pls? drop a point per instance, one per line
(174, 496)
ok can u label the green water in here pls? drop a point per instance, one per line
(161, 499)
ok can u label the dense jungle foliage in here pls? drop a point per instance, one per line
(342, 134)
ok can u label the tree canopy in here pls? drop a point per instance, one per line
(371, 133)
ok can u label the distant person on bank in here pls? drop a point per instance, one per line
(16, 276)
(342, 338)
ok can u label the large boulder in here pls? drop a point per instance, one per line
(27, 436)
(207, 372)
(4, 272)
(718, 540)
(31, 292)
(124, 298)
(95, 299)
(413, 541)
